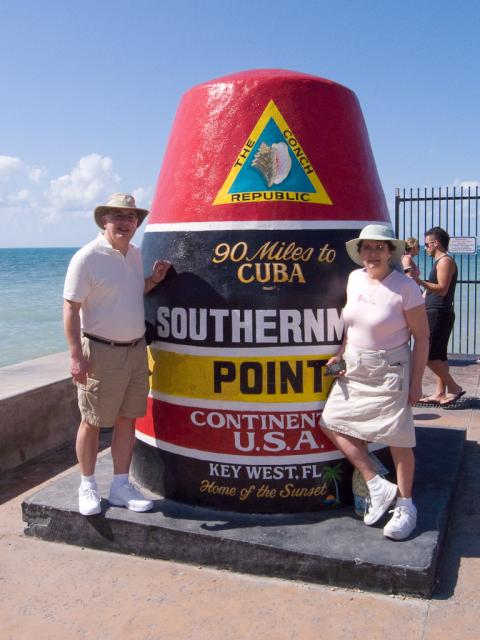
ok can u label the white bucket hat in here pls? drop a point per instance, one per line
(120, 201)
(376, 232)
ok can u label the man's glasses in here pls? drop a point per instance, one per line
(428, 244)
(123, 217)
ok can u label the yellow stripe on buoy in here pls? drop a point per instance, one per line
(294, 378)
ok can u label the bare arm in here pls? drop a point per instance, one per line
(418, 324)
(407, 260)
(159, 272)
(339, 355)
(445, 271)
(408, 265)
(341, 349)
(72, 328)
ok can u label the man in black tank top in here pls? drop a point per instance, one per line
(439, 296)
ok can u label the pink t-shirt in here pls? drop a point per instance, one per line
(374, 314)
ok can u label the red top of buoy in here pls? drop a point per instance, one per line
(266, 145)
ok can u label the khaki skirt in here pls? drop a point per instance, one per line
(370, 401)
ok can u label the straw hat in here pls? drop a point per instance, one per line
(120, 201)
(376, 232)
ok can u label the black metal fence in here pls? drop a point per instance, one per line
(457, 210)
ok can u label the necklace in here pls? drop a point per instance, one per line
(371, 289)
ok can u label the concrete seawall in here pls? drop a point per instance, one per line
(38, 408)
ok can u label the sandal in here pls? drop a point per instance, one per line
(456, 396)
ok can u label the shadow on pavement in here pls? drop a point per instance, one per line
(463, 536)
(34, 472)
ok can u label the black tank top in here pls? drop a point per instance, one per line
(433, 300)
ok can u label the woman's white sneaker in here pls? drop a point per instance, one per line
(379, 501)
(88, 501)
(402, 523)
(130, 497)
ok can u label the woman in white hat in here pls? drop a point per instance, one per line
(372, 398)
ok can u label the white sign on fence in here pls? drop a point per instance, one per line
(462, 245)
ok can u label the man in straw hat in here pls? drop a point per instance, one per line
(104, 324)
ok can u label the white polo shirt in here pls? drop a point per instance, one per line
(109, 287)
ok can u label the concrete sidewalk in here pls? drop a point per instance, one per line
(55, 591)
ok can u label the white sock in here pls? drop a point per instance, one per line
(119, 479)
(375, 484)
(88, 482)
(404, 502)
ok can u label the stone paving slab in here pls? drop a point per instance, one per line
(332, 548)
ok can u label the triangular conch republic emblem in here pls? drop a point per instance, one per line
(272, 167)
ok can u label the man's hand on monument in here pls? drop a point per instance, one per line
(159, 270)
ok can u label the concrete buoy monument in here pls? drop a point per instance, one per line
(266, 175)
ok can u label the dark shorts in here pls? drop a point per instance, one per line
(441, 324)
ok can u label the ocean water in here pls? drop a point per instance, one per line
(31, 287)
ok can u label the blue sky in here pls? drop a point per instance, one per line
(90, 89)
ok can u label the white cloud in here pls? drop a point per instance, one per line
(40, 210)
(91, 180)
(37, 174)
(14, 185)
(20, 196)
(142, 196)
(9, 166)
(466, 184)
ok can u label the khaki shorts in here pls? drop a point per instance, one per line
(117, 383)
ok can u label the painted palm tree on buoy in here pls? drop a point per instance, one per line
(333, 474)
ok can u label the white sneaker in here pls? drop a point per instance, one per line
(402, 523)
(130, 497)
(88, 501)
(378, 502)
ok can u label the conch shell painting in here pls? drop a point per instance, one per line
(274, 162)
